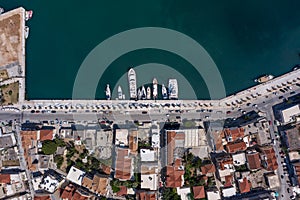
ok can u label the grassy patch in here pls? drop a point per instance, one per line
(10, 93)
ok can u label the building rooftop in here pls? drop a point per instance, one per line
(269, 160)
(199, 192)
(148, 155)
(174, 176)
(133, 141)
(123, 167)
(121, 137)
(209, 168)
(253, 160)
(235, 147)
(244, 185)
(145, 195)
(213, 195)
(75, 175)
(149, 181)
(239, 159)
(228, 192)
(294, 155)
(288, 113)
(5, 178)
(273, 181)
(46, 135)
(233, 134)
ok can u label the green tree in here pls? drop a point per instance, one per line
(49, 147)
(58, 160)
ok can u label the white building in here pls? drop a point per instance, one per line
(148, 155)
(184, 192)
(228, 192)
(149, 181)
(288, 114)
(49, 184)
(121, 137)
(75, 175)
(155, 140)
(239, 159)
(213, 195)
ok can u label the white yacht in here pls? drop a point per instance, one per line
(107, 92)
(148, 93)
(164, 91)
(154, 88)
(132, 83)
(173, 89)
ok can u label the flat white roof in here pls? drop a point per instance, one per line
(121, 137)
(228, 192)
(213, 195)
(191, 138)
(49, 184)
(294, 155)
(75, 175)
(183, 192)
(155, 140)
(239, 159)
(288, 113)
(148, 155)
(149, 181)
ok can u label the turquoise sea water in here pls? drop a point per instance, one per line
(244, 38)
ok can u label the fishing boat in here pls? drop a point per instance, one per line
(28, 15)
(148, 93)
(143, 91)
(120, 93)
(26, 32)
(173, 89)
(107, 92)
(1, 10)
(264, 78)
(154, 88)
(164, 91)
(132, 83)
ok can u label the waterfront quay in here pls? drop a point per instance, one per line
(254, 95)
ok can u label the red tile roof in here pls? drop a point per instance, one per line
(199, 192)
(209, 168)
(47, 197)
(234, 134)
(46, 135)
(123, 164)
(245, 185)
(5, 178)
(68, 192)
(146, 195)
(235, 147)
(271, 161)
(174, 177)
(228, 181)
(78, 196)
(172, 136)
(253, 160)
(122, 191)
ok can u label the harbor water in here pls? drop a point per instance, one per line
(246, 39)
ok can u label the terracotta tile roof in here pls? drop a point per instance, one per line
(133, 141)
(146, 195)
(174, 176)
(122, 191)
(5, 178)
(234, 134)
(106, 169)
(87, 182)
(235, 147)
(68, 192)
(172, 136)
(99, 184)
(270, 158)
(225, 161)
(78, 196)
(46, 135)
(209, 168)
(47, 197)
(29, 140)
(228, 180)
(199, 192)
(245, 185)
(123, 164)
(253, 160)
(218, 136)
